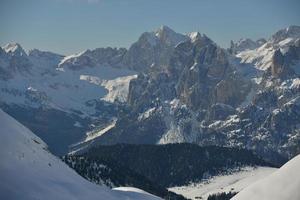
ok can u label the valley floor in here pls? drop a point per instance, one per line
(234, 182)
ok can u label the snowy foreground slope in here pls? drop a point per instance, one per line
(284, 184)
(234, 182)
(29, 171)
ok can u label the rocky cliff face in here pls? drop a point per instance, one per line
(153, 49)
(206, 95)
(188, 90)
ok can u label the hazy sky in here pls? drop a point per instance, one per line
(70, 26)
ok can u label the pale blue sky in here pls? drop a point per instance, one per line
(70, 26)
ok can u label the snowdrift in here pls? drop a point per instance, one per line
(28, 171)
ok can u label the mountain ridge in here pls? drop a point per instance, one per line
(184, 88)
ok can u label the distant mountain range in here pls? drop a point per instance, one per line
(166, 88)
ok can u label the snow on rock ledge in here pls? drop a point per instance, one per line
(117, 88)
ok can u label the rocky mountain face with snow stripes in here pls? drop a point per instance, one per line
(166, 88)
(213, 96)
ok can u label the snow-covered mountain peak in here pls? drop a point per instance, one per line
(194, 36)
(164, 30)
(164, 35)
(170, 37)
(245, 44)
(200, 39)
(14, 49)
(153, 49)
(289, 32)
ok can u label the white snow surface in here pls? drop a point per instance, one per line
(146, 114)
(29, 172)
(261, 57)
(63, 88)
(136, 190)
(117, 88)
(224, 183)
(94, 134)
(283, 184)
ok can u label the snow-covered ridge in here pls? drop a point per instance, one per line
(245, 44)
(97, 133)
(233, 182)
(132, 189)
(283, 184)
(29, 172)
(66, 58)
(261, 56)
(14, 49)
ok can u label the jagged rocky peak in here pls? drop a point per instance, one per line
(43, 54)
(108, 53)
(163, 35)
(245, 44)
(163, 29)
(204, 74)
(201, 40)
(152, 51)
(13, 59)
(289, 32)
(194, 36)
(14, 49)
(93, 58)
(168, 36)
